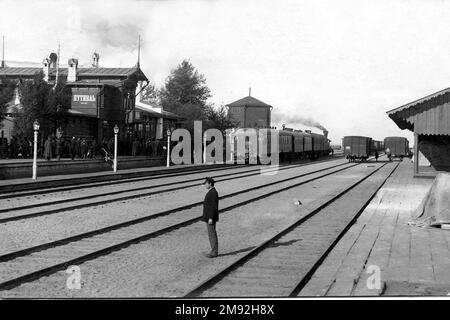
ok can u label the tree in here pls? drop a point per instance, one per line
(151, 94)
(218, 118)
(59, 99)
(185, 93)
(7, 88)
(41, 101)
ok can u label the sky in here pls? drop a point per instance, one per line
(341, 63)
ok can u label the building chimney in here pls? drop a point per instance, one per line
(46, 68)
(72, 72)
(95, 59)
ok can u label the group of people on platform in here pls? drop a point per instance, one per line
(149, 147)
(15, 148)
(78, 148)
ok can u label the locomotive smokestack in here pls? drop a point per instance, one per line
(325, 133)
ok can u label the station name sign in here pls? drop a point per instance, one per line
(84, 98)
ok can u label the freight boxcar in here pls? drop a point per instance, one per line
(357, 148)
(396, 147)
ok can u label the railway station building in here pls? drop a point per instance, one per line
(250, 112)
(100, 99)
(429, 119)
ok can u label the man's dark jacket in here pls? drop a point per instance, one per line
(211, 206)
(73, 146)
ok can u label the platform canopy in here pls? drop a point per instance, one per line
(156, 111)
(429, 119)
(429, 115)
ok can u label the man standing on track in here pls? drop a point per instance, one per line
(211, 215)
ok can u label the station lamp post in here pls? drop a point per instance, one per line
(169, 133)
(36, 126)
(116, 131)
(204, 148)
(232, 135)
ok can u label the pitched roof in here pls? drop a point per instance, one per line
(81, 72)
(428, 115)
(248, 101)
(19, 71)
(418, 101)
(158, 112)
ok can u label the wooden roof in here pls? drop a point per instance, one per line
(429, 115)
(249, 101)
(29, 72)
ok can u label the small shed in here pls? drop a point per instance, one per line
(429, 119)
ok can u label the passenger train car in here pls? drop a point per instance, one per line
(292, 144)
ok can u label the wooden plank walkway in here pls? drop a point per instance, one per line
(381, 239)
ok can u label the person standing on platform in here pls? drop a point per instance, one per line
(388, 153)
(24, 150)
(111, 146)
(134, 148)
(94, 149)
(83, 148)
(48, 149)
(13, 148)
(104, 144)
(211, 215)
(78, 148)
(73, 148)
(58, 148)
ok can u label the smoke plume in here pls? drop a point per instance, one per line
(121, 34)
(296, 119)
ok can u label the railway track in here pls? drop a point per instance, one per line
(40, 186)
(96, 184)
(103, 177)
(123, 181)
(9, 214)
(282, 265)
(31, 263)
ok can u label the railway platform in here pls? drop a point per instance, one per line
(11, 185)
(381, 254)
(22, 168)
